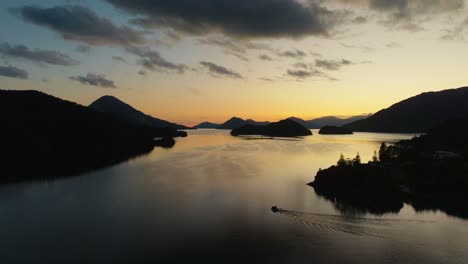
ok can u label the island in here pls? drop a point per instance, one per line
(428, 172)
(283, 128)
(334, 130)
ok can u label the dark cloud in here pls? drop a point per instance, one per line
(409, 14)
(237, 48)
(119, 58)
(332, 65)
(250, 19)
(292, 53)
(265, 57)
(37, 55)
(80, 24)
(360, 20)
(302, 74)
(300, 65)
(142, 72)
(406, 14)
(94, 80)
(219, 70)
(13, 72)
(152, 60)
(83, 48)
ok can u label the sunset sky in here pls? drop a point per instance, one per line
(209, 60)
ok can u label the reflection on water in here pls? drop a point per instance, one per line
(209, 199)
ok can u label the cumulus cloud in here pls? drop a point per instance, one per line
(81, 24)
(37, 55)
(13, 72)
(247, 19)
(152, 60)
(94, 80)
(219, 70)
(332, 65)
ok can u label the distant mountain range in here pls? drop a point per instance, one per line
(236, 122)
(327, 121)
(114, 106)
(417, 114)
(205, 125)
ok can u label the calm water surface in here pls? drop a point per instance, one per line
(208, 199)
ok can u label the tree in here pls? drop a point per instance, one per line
(375, 158)
(357, 160)
(383, 152)
(342, 161)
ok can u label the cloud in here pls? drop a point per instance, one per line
(410, 14)
(457, 32)
(81, 24)
(237, 48)
(13, 72)
(292, 53)
(83, 48)
(265, 57)
(332, 65)
(152, 60)
(119, 58)
(300, 65)
(219, 70)
(244, 19)
(40, 56)
(94, 80)
(302, 74)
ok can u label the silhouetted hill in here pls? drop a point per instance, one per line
(283, 128)
(327, 121)
(257, 123)
(206, 125)
(299, 121)
(110, 104)
(45, 137)
(429, 172)
(234, 122)
(333, 121)
(333, 130)
(418, 113)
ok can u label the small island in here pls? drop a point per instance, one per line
(283, 128)
(334, 130)
(427, 172)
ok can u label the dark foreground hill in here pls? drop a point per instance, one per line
(114, 106)
(418, 113)
(45, 137)
(283, 128)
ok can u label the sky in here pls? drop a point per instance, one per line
(208, 60)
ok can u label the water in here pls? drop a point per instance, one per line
(209, 199)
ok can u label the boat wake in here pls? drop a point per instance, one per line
(358, 226)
